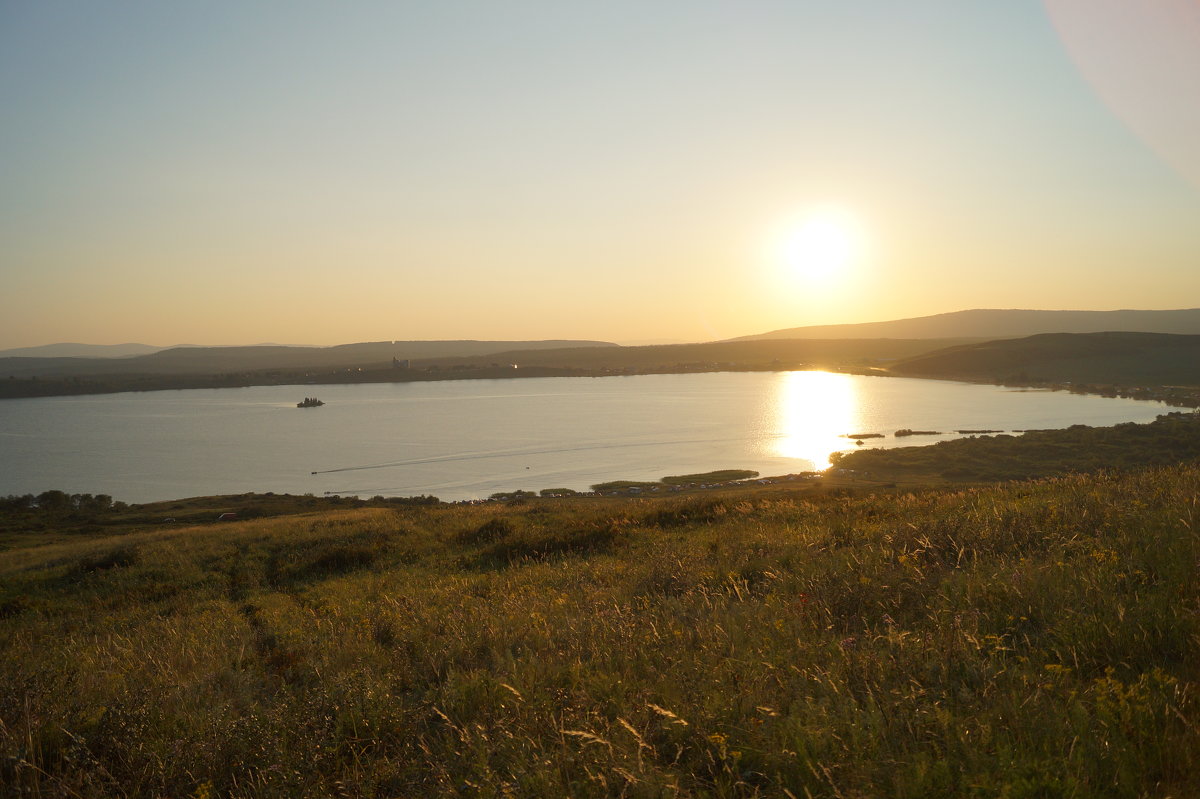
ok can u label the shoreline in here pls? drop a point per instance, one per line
(836, 476)
(1174, 396)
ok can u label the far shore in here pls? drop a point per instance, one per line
(1175, 396)
(77, 386)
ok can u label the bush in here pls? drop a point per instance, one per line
(116, 558)
(494, 529)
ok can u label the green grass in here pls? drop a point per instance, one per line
(681, 480)
(622, 485)
(23, 521)
(1033, 639)
(719, 476)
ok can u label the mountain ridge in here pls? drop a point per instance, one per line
(996, 323)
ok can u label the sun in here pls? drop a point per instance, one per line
(819, 243)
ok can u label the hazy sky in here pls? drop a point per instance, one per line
(327, 172)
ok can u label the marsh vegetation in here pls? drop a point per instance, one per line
(1170, 439)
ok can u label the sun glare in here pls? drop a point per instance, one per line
(820, 243)
(813, 411)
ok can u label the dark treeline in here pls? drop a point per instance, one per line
(60, 502)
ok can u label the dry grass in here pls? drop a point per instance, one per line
(1034, 639)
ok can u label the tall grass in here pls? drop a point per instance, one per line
(1032, 639)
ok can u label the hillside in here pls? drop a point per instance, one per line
(1105, 358)
(993, 324)
(1030, 639)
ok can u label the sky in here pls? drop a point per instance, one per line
(328, 172)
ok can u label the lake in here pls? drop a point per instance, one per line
(466, 439)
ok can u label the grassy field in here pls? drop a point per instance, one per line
(1037, 638)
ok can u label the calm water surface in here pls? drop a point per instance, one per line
(469, 438)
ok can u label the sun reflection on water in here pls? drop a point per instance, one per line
(813, 411)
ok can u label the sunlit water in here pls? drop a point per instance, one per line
(470, 438)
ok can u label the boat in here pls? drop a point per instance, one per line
(310, 402)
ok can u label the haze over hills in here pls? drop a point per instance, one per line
(75, 350)
(131, 350)
(208, 360)
(996, 323)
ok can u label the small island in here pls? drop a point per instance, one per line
(310, 402)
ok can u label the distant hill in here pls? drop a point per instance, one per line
(213, 360)
(994, 324)
(71, 350)
(1109, 358)
(372, 363)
